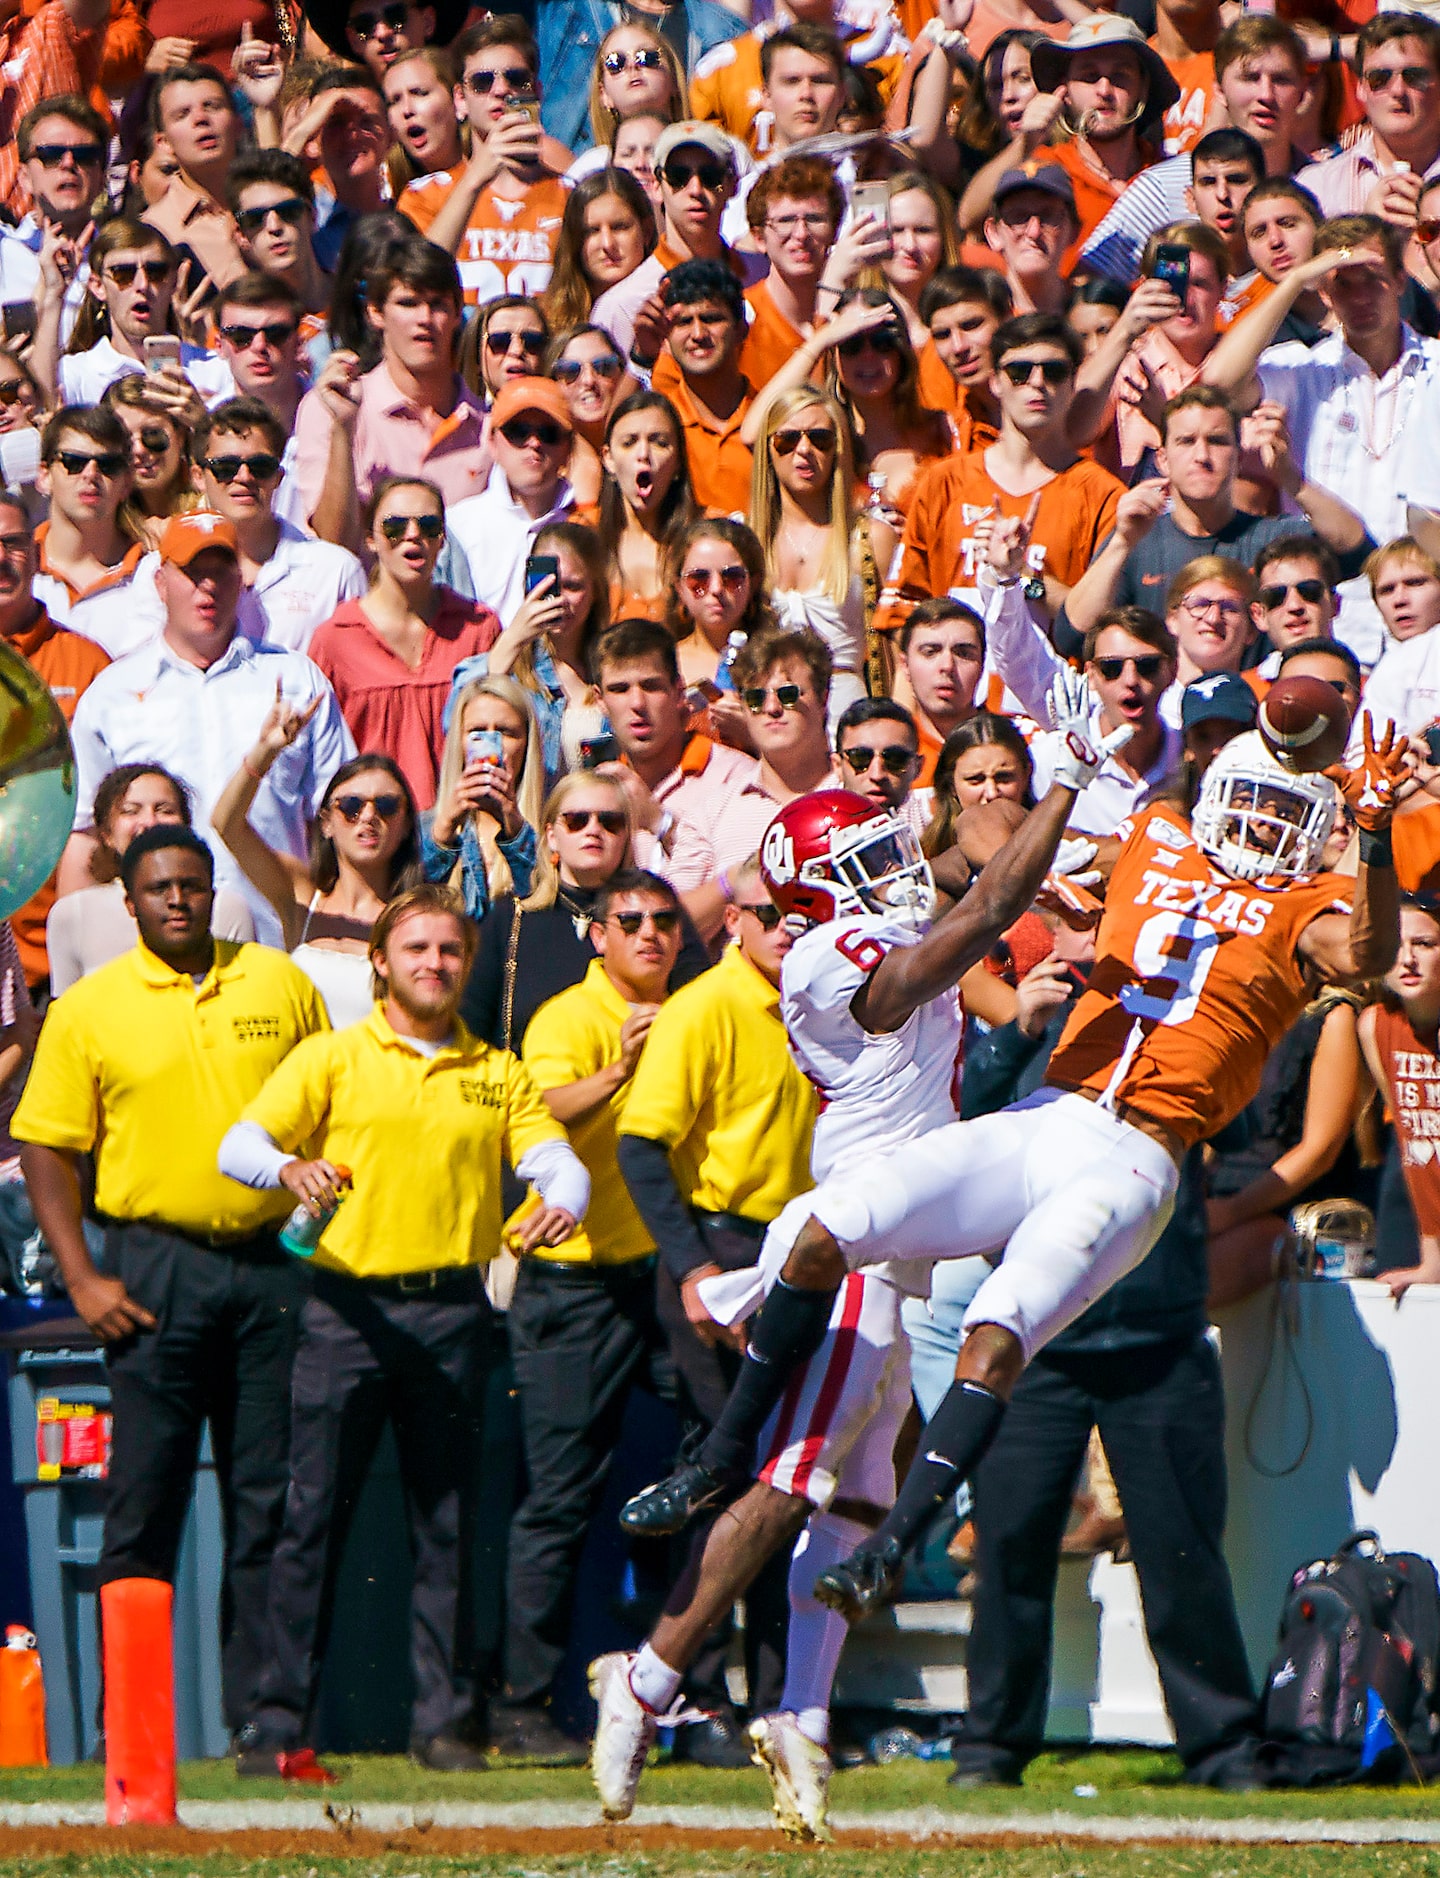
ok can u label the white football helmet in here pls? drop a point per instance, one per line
(1256, 820)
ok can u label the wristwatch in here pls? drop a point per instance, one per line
(1034, 588)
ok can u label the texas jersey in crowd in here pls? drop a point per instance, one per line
(508, 245)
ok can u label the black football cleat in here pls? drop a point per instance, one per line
(863, 1582)
(671, 1504)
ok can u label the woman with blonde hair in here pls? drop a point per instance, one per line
(535, 944)
(482, 833)
(875, 378)
(159, 457)
(922, 241)
(607, 230)
(590, 369)
(636, 74)
(419, 87)
(819, 557)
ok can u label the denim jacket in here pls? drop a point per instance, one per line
(438, 863)
(569, 34)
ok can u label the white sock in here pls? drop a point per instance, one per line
(817, 1635)
(653, 1682)
(814, 1724)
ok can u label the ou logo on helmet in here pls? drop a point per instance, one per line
(777, 856)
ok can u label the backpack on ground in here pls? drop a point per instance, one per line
(1350, 1693)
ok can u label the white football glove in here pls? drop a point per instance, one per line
(1073, 858)
(1079, 753)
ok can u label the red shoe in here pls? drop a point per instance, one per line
(303, 1766)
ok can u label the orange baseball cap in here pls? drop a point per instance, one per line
(531, 394)
(187, 535)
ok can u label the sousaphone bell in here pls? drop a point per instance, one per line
(37, 781)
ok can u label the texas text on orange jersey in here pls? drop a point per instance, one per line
(509, 242)
(1196, 980)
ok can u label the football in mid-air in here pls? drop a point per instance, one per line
(1305, 724)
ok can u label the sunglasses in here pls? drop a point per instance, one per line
(366, 25)
(820, 438)
(52, 155)
(666, 920)
(387, 807)
(502, 342)
(700, 580)
(885, 340)
(1413, 77)
(262, 466)
(152, 440)
(709, 175)
(1310, 591)
(1426, 232)
(481, 84)
(396, 527)
(276, 333)
(108, 462)
(567, 371)
(123, 273)
(786, 696)
(613, 821)
(768, 916)
(292, 211)
(647, 59)
(522, 430)
(1149, 665)
(11, 390)
(1022, 371)
(895, 758)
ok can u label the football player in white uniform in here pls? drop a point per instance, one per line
(869, 1001)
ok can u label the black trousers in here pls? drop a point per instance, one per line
(704, 1373)
(581, 1337)
(1161, 1415)
(221, 1352)
(368, 1353)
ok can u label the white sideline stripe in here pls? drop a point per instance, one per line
(916, 1823)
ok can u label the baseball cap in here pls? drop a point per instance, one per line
(530, 394)
(1221, 694)
(1048, 178)
(187, 535)
(690, 131)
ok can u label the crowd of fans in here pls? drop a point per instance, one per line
(521, 453)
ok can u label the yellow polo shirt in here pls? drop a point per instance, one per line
(717, 1084)
(148, 1070)
(421, 1135)
(570, 1037)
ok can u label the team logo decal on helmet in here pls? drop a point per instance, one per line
(1258, 821)
(831, 854)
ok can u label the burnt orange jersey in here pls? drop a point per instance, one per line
(509, 242)
(1196, 980)
(1076, 513)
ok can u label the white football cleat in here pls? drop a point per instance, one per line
(624, 1734)
(799, 1771)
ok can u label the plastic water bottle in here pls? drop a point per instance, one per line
(723, 680)
(302, 1230)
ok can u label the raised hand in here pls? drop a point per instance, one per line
(283, 724)
(338, 387)
(1080, 754)
(258, 68)
(1372, 789)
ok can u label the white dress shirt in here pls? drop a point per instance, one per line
(156, 707)
(85, 376)
(1404, 686)
(1369, 441)
(496, 533)
(20, 272)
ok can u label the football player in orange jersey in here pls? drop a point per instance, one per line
(1213, 935)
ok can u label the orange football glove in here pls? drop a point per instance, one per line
(1371, 789)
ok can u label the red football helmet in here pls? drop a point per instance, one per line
(825, 855)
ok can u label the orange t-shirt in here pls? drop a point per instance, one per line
(1076, 513)
(1415, 839)
(67, 662)
(771, 340)
(1096, 192)
(1413, 1072)
(938, 389)
(509, 243)
(1185, 120)
(1196, 980)
(727, 87)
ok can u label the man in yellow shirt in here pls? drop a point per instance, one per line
(714, 1141)
(144, 1065)
(582, 1323)
(403, 1119)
